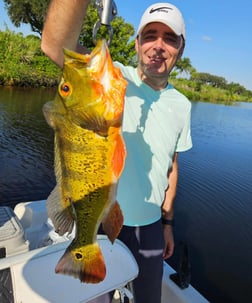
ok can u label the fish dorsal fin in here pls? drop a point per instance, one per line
(62, 218)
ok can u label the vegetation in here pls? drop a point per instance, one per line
(29, 12)
(122, 49)
(22, 62)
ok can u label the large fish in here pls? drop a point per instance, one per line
(86, 116)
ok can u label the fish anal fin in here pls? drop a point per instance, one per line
(113, 222)
(85, 263)
(119, 155)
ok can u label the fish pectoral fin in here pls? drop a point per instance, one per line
(113, 222)
(61, 215)
(119, 155)
(47, 111)
(85, 263)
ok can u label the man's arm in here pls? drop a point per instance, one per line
(62, 28)
(167, 207)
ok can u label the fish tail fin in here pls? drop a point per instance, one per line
(113, 222)
(85, 263)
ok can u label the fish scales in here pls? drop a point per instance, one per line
(86, 116)
(84, 165)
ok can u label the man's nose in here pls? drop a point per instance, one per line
(159, 43)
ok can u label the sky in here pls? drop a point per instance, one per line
(218, 34)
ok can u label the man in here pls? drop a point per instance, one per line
(156, 126)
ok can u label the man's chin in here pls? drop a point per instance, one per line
(157, 73)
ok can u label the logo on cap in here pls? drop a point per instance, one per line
(160, 9)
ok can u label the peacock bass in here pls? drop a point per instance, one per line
(89, 155)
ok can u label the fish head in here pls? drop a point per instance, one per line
(92, 89)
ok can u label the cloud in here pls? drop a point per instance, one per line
(206, 38)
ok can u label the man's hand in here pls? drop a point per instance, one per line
(169, 241)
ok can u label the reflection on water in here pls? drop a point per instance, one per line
(213, 206)
(26, 148)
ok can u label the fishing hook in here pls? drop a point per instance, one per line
(107, 11)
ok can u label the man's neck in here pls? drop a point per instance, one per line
(155, 82)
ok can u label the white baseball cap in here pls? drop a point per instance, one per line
(165, 13)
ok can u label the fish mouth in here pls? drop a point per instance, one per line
(98, 64)
(94, 61)
(99, 57)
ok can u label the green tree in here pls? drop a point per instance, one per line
(33, 12)
(208, 79)
(27, 11)
(184, 66)
(122, 49)
(236, 88)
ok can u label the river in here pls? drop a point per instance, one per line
(213, 206)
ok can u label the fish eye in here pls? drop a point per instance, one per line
(65, 89)
(78, 256)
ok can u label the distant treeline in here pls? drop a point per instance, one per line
(22, 63)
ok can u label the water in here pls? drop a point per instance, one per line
(214, 202)
(26, 146)
(213, 207)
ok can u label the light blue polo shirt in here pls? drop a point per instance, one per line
(155, 125)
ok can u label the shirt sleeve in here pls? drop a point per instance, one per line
(184, 142)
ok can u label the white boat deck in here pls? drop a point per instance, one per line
(34, 279)
(27, 274)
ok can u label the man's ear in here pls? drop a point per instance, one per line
(181, 49)
(137, 43)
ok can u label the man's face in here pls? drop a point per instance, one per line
(158, 49)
